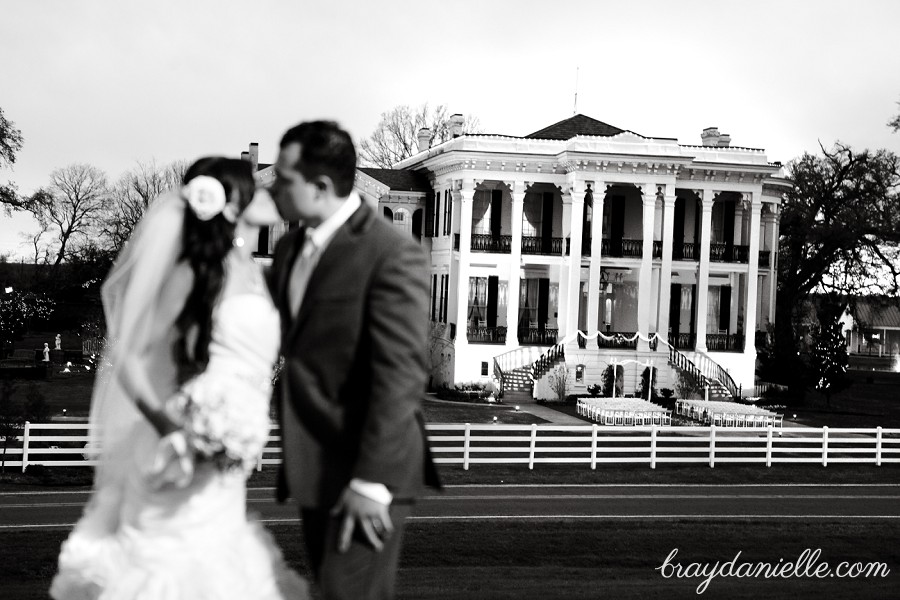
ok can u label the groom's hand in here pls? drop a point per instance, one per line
(371, 516)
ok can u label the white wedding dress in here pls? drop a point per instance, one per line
(195, 542)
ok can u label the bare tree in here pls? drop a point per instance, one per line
(35, 240)
(10, 143)
(895, 122)
(132, 194)
(396, 136)
(71, 206)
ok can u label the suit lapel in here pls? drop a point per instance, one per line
(293, 242)
(338, 248)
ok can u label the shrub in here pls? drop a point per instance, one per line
(688, 386)
(594, 389)
(667, 393)
(645, 383)
(609, 380)
(559, 381)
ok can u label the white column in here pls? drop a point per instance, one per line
(576, 192)
(665, 274)
(517, 188)
(750, 306)
(773, 256)
(645, 281)
(703, 277)
(562, 318)
(466, 194)
(593, 307)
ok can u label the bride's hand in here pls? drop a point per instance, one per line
(161, 422)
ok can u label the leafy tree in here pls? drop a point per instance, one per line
(828, 353)
(71, 207)
(840, 233)
(10, 143)
(396, 136)
(17, 308)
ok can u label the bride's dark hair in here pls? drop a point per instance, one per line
(205, 246)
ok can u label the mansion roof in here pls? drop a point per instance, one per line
(573, 126)
(399, 180)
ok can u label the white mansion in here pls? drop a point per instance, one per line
(658, 252)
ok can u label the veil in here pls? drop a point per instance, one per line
(137, 315)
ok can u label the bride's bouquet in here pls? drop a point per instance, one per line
(217, 426)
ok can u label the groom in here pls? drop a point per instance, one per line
(353, 298)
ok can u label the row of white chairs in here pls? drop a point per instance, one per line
(744, 420)
(624, 417)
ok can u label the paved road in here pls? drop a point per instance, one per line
(60, 509)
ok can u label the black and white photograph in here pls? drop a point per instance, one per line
(451, 300)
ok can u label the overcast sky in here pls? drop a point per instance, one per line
(112, 83)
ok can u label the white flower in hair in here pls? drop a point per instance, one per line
(205, 195)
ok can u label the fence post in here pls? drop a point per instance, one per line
(466, 447)
(594, 446)
(712, 446)
(653, 446)
(25, 436)
(878, 446)
(533, 445)
(825, 446)
(769, 445)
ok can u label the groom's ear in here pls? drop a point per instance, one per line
(324, 186)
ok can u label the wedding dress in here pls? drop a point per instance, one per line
(137, 541)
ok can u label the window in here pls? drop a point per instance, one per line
(437, 215)
(446, 293)
(434, 285)
(448, 213)
(484, 369)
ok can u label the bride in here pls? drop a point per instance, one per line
(180, 411)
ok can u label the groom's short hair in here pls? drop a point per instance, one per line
(325, 149)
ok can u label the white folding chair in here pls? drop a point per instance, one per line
(667, 418)
(728, 420)
(717, 419)
(618, 418)
(629, 418)
(609, 417)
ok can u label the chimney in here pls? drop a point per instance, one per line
(724, 140)
(424, 138)
(254, 156)
(456, 125)
(245, 156)
(710, 136)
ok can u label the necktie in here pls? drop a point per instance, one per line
(301, 271)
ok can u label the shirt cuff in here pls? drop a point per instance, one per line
(371, 490)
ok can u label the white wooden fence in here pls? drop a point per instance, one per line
(59, 444)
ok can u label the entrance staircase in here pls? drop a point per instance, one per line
(517, 379)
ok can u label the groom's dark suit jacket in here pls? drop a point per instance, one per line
(355, 364)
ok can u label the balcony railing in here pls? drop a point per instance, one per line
(725, 342)
(535, 336)
(624, 248)
(764, 257)
(729, 253)
(620, 340)
(486, 335)
(657, 249)
(683, 341)
(486, 242)
(543, 246)
(686, 251)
